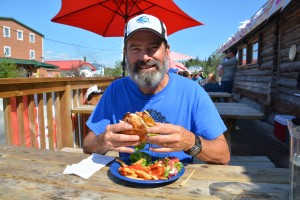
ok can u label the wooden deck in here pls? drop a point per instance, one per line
(256, 138)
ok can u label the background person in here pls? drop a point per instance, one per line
(212, 85)
(196, 78)
(229, 68)
(220, 68)
(188, 123)
(185, 74)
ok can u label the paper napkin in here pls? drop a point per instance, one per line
(87, 167)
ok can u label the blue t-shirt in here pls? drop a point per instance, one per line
(182, 102)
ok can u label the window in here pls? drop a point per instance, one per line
(20, 35)
(6, 31)
(260, 42)
(7, 51)
(244, 56)
(254, 52)
(32, 54)
(31, 38)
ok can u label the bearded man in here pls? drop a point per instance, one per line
(187, 122)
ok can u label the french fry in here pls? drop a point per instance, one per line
(154, 177)
(128, 170)
(121, 162)
(163, 178)
(143, 174)
(139, 161)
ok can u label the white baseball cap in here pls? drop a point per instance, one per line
(145, 22)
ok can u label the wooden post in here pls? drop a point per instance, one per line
(58, 121)
(66, 120)
(41, 121)
(50, 120)
(7, 124)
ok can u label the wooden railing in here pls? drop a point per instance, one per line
(37, 111)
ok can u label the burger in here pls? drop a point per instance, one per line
(140, 121)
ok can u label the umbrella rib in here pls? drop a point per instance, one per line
(188, 17)
(134, 2)
(73, 12)
(96, 4)
(116, 13)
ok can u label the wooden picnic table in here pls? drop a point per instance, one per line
(238, 111)
(217, 96)
(230, 112)
(29, 173)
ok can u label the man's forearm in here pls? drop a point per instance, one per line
(91, 144)
(214, 151)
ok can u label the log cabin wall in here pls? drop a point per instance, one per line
(287, 99)
(271, 83)
(254, 79)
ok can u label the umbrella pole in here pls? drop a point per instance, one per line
(123, 62)
(123, 65)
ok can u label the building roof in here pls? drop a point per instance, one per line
(69, 64)
(263, 14)
(33, 63)
(13, 19)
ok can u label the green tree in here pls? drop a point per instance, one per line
(210, 65)
(213, 62)
(8, 69)
(114, 71)
(192, 62)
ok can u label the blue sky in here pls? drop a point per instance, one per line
(221, 19)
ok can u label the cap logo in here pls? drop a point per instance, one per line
(143, 20)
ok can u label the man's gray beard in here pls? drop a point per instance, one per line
(148, 79)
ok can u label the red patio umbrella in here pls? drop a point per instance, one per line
(108, 17)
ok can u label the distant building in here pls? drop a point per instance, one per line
(193, 69)
(100, 69)
(74, 67)
(22, 45)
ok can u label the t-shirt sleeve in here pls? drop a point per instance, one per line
(101, 116)
(208, 122)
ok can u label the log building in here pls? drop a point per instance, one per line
(268, 75)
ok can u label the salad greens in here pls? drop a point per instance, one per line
(137, 155)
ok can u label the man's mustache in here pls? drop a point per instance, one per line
(142, 63)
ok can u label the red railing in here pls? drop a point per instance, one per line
(37, 111)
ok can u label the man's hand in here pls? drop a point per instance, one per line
(115, 141)
(171, 138)
(111, 140)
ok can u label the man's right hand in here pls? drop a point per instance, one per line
(111, 140)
